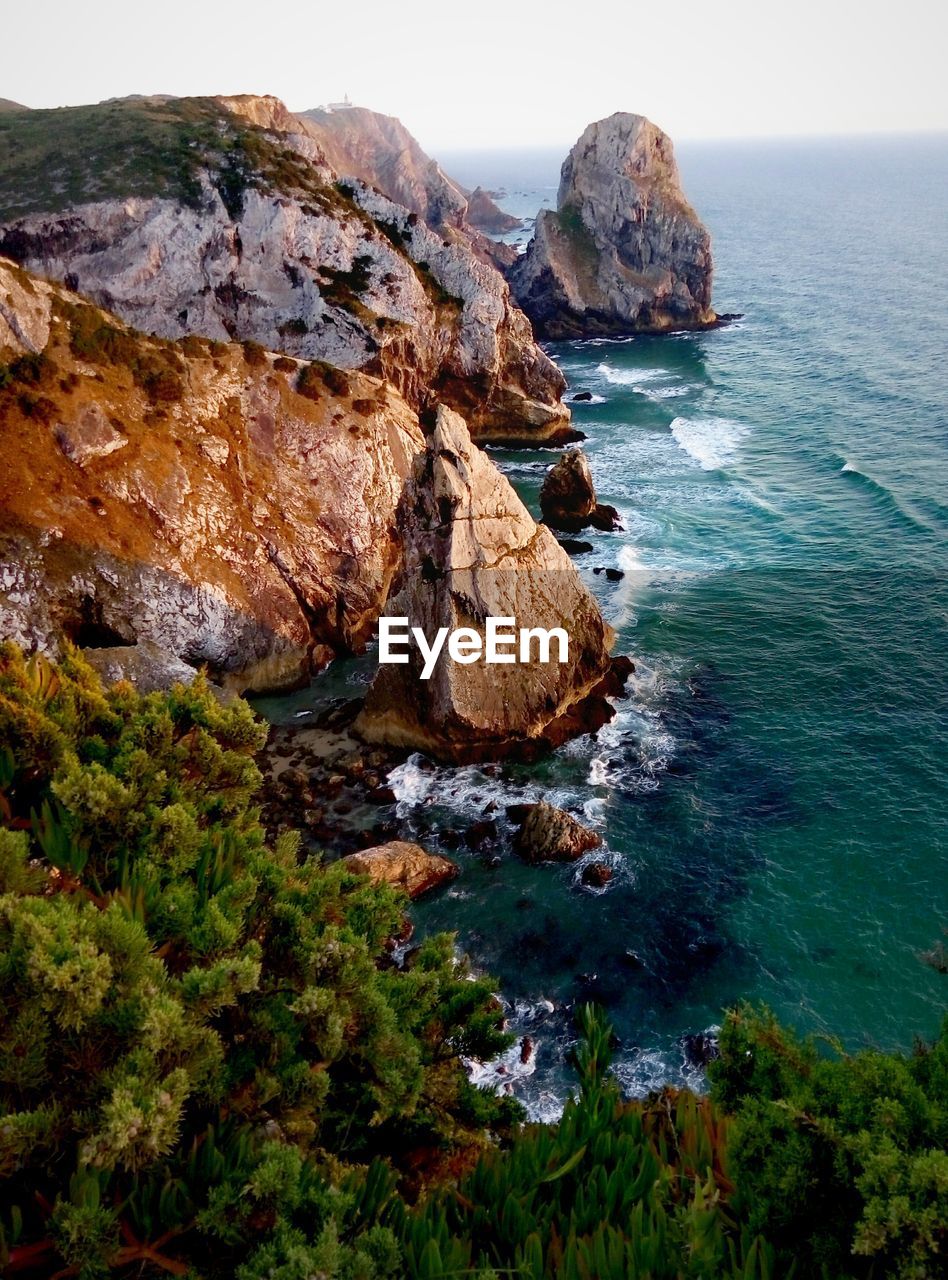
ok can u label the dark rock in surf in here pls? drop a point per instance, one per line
(568, 497)
(548, 834)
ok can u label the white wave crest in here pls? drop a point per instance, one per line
(630, 377)
(712, 442)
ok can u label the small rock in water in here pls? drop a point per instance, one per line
(614, 575)
(700, 1048)
(575, 546)
(582, 395)
(596, 875)
(479, 833)
(548, 834)
(404, 865)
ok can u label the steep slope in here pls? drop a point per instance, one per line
(6, 104)
(623, 252)
(222, 217)
(379, 151)
(231, 509)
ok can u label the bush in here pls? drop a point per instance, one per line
(614, 1190)
(842, 1159)
(203, 1047)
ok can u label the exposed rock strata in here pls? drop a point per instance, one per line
(277, 254)
(473, 551)
(568, 498)
(623, 252)
(241, 523)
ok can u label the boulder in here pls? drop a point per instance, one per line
(402, 865)
(145, 665)
(548, 834)
(596, 875)
(568, 498)
(623, 252)
(473, 551)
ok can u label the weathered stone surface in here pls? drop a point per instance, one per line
(145, 665)
(403, 865)
(548, 834)
(360, 282)
(243, 525)
(472, 550)
(568, 497)
(484, 214)
(88, 434)
(623, 252)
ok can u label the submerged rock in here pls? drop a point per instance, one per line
(623, 252)
(548, 834)
(568, 498)
(404, 866)
(473, 551)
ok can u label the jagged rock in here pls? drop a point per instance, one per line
(548, 834)
(403, 865)
(88, 434)
(261, 557)
(623, 252)
(484, 214)
(568, 497)
(474, 551)
(379, 151)
(596, 875)
(277, 254)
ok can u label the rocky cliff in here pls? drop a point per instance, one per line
(379, 151)
(228, 507)
(623, 252)
(473, 551)
(224, 218)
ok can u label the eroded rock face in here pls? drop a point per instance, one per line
(568, 497)
(404, 866)
(472, 550)
(379, 151)
(239, 523)
(354, 279)
(624, 252)
(548, 834)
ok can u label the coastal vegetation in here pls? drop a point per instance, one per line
(211, 1065)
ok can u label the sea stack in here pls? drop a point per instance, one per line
(623, 252)
(473, 551)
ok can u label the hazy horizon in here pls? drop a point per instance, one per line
(498, 79)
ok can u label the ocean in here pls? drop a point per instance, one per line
(772, 794)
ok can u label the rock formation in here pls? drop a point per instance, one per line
(548, 834)
(568, 498)
(251, 237)
(623, 252)
(404, 866)
(472, 551)
(231, 509)
(379, 151)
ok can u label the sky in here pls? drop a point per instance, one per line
(472, 75)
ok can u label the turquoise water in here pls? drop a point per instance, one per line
(772, 795)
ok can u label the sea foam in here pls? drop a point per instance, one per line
(712, 442)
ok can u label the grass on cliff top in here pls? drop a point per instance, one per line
(51, 160)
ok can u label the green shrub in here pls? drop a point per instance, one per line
(614, 1190)
(842, 1158)
(203, 1047)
